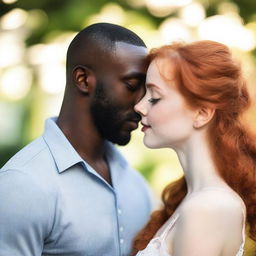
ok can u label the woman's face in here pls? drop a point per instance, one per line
(167, 120)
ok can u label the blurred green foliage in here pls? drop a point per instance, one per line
(59, 16)
(21, 119)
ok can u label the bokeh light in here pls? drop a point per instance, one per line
(14, 19)
(34, 38)
(15, 82)
(174, 29)
(12, 49)
(42, 62)
(192, 14)
(228, 30)
(162, 8)
(111, 13)
(52, 78)
(9, 1)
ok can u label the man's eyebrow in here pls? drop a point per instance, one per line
(137, 75)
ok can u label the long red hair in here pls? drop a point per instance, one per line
(207, 75)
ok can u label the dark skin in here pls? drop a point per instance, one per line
(123, 72)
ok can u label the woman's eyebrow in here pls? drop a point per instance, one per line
(151, 85)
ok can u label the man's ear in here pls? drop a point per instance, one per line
(203, 116)
(83, 78)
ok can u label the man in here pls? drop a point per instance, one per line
(70, 192)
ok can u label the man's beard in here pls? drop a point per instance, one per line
(108, 117)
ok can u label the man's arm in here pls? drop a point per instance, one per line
(24, 215)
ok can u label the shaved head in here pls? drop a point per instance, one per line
(106, 70)
(96, 42)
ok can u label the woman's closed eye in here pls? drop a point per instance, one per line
(153, 100)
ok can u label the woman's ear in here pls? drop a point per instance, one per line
(203, 116)
(83, 78)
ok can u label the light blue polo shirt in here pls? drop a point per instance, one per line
(53, 203)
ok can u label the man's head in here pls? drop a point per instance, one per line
(105, 74)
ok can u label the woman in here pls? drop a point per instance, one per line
(194, 104)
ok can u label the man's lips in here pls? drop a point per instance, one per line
(133, 124)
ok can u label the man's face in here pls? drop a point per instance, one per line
(120, 85)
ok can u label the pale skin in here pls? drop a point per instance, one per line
(210, 219)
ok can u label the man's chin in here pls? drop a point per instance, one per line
(121, 140)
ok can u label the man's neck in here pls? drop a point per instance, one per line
(87, 142)
(83, 136)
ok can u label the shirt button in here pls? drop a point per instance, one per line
(121, 241)
(119, 211)
(121, 229)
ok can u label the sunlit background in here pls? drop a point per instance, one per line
(34, 36)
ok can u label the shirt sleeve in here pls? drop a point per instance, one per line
(24, 215)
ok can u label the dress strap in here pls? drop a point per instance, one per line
(244, 225)
(169, 227)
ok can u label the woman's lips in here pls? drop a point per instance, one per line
(144, 127)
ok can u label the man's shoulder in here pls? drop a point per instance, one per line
(35, 152)
(30, 170)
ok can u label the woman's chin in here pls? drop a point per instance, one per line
(151, 145)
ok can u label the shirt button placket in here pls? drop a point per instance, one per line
(121, 228)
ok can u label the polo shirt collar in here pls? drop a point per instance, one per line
(65, 156)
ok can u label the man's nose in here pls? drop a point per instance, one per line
(141, 93)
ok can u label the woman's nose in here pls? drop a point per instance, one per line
(140, 107)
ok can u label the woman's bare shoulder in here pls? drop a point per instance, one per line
(222, 201)
(215, 217)
(218, 207)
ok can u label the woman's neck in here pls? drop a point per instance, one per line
(198, 165)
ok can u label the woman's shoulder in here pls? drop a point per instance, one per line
(213, 203)
(214, 216)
